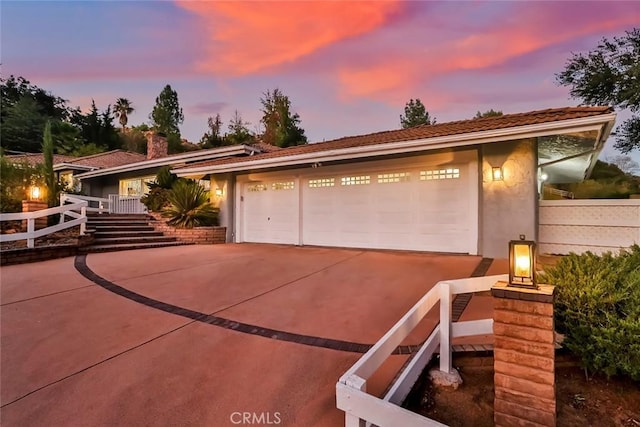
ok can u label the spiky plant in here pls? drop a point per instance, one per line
(189, 206)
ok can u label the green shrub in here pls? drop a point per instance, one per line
(158, 196)
(598, 309)
(189, 206)
(15, 180)
(156, 199)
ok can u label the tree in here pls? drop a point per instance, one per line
(626, 164)
(239, 132)
(121, 110)
(415, 114)
(167, 115)
(213, 137)
(488, 113)
(97, 127)
(281, 128)
(25, 110)
(610, 75)
(49, 175)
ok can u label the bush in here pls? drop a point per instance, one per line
(16, 179)
(158, 196)
(189, 206)
(598, 309)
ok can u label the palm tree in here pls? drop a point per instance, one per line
(121, 110)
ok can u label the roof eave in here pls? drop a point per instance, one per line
(408, 146)
(164, 161)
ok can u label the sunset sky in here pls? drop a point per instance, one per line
(348, 67)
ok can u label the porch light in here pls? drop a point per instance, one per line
(35, 192)
(496, 173)
(522, 256)
(219, 192)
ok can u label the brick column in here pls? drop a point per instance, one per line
(32, 206)
(524, 356)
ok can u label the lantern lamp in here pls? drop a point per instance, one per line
(522, 269)
(496, 174)
(219, 192)
(35, 192)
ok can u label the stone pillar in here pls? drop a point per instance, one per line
(524, 356)
(32, 206)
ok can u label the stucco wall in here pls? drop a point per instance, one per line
(225, 182)
(508, 207)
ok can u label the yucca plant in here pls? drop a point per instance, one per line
(189, 206)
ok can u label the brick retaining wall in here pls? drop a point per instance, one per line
(44, 253)
(198, 235)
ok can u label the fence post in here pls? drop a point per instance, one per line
(445, 327)
(83, 226)
(31, 228)
(360, 384)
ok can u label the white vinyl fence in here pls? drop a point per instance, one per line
(126, 204)
(75, 209)
(114, 204)
(362, 408)
(596, 225)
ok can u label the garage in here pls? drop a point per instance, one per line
(398, 204)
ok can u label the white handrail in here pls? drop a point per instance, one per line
(103, 204)
(361, 408)
(31, 234)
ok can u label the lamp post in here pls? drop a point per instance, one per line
(522, 260)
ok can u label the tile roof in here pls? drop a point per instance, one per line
(100, 160)
(424, 132)
(33, 159)
(109, 159)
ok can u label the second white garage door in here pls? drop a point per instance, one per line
(425, 209)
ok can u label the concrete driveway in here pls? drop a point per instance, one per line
(203, 335)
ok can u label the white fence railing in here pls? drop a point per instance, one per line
(351, 390)
(126, 204)
(94, 204)
(70, 210)
(114, 204)
(596, 225)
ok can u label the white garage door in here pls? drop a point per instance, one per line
(413, 208)
(426, 209)
(271, 211)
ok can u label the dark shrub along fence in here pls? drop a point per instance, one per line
(598, 309)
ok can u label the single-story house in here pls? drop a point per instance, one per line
(459, 187)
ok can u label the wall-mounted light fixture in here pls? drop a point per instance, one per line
(35, 192)
(522, 259)
(496, 173)
(219, 192)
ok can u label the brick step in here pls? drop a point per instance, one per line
(122, 217)
(129, 246)
(102, 228)
(120, 233)
(120, 222)
(133, 240)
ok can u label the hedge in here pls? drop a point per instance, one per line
(598, 309)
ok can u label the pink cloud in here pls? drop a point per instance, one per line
(391, 77)
(207, 108)
(248, 37)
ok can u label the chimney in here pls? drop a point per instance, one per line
(157, 146)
